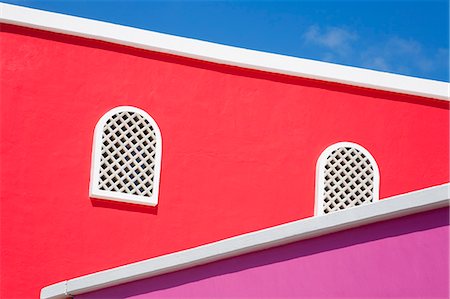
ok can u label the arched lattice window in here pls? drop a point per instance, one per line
(347, 176)
(126, 158)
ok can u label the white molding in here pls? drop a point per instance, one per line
(320, 176)
(388, 208)
(222, 54)
(94, 191)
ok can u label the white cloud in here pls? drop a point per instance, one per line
(378, 63)
(337, 39)
(390, 53)
(399, 55)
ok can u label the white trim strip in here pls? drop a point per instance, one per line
(389, 208)
(222, 54)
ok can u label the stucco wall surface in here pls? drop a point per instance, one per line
(239, 151)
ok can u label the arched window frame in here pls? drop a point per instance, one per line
(320, 173)
(94, 190)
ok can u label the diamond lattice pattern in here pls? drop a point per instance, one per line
(348, 180)
(127, 162)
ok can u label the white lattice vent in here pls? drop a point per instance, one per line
(127, 155)
(349, 180)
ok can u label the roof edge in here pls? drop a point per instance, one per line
(222, 54)
(388, 208)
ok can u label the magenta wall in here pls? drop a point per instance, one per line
(406, 257)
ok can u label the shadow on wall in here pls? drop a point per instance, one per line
(383, 230)
(110, 204)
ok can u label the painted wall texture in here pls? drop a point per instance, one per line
(239, 152)
(401, 258)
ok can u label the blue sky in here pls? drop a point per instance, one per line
(405, 37)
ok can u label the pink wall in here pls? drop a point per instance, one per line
(402, 258)
(239, 151)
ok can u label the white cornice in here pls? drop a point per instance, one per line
(388, 208)
(222, 54)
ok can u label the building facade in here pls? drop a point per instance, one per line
(123, 146)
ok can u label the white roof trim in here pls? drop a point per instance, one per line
(392, 207)
(222, 54)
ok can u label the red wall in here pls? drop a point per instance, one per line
(239, 151)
